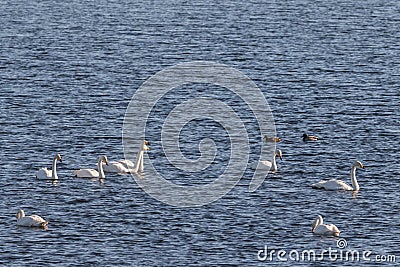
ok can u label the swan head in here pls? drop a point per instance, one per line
(144, 145)
(358, 164)
(305, 136)
(336, 232)
(278, 153)
(58, 157)
(20, 214)
(104, 159)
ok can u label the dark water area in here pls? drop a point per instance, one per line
(69, 69)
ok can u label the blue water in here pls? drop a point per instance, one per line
(68, 71)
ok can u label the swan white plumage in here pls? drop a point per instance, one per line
(268, 165)
(127, 163)
(92, 173)
(31, 220)
(139, 166)
(44, 173)
(319, 228)
(307, 137)
(115, 167)
(334, 184)
(127, 166)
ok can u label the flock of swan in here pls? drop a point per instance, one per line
(126, 166)
(103, 165)
(318, 227)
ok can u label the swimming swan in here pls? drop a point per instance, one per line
(127, 166)
(92, 173)
(334, 184)
(268, 165)
(309, 137)
(44, 173)
(31, 220)
(319, 228)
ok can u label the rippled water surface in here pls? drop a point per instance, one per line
(68, 71)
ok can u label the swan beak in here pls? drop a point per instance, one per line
(280, 156)
(107, 162)
(146, 142)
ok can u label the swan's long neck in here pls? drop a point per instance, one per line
(354, 182)
(54, 169)
(315, 224)
(141, 166)
(100, 167)
(274, 167)
(139, 162)
(20, 214)
(318, 221)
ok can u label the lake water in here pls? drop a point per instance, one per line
(67, 74)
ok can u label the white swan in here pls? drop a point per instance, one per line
(319, 228)
(92, 173)
(334, 184)
(127, 166)
(268, 165)
(30, 221)
(44, 173)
